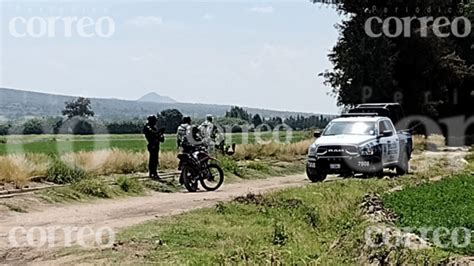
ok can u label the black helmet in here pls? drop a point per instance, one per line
(186, 120)
(152, 118)
(209, 118)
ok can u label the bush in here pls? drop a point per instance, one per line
(229, 165)
(280, 236)
(93, 187)
(4, 129)
(33, 127)
(61, 173)
(129, 185)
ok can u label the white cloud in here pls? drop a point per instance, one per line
(208, 16)
(262, 9)
(142, 21)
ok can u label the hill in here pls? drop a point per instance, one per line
(19, 103)
(156, 98)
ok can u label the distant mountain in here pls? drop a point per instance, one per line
(156, 98)
(19, 103)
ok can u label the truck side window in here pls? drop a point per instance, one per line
(382, 127)
(388, 126)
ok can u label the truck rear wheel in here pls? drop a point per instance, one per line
(314, 176)
(403, 164)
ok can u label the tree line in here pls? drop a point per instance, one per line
(78, 118)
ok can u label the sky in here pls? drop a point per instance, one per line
(263, 54)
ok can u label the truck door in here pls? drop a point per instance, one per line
(390, 144)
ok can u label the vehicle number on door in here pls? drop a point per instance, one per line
(364, 164)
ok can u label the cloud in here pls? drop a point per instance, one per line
(208, 16)
(262, 9)
(142, 21)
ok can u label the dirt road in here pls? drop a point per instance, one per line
(118, 214)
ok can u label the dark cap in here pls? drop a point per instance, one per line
(187, 120)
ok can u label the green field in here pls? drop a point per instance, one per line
(445, 204)
(59, 144)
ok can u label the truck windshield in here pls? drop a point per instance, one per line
(350, 128)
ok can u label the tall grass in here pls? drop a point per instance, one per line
(431, 143)
(277, 150)
(18, 169)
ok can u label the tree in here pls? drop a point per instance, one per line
(4, 129)
(170, 119)
(256, 120)
(238, 112)
(33, 127)
(80, 107)
(424, 73)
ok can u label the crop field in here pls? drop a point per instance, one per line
(60, 144)
(448, 204)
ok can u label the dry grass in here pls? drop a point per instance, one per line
(18, 169)
(278, 150)
(117, 161)
(107, 161)
(169, 160)
(432, 142)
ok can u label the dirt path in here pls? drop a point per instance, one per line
(121, 213)
(117, 214)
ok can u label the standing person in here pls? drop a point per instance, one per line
(183, 130)
(209, 133)
(154, 137)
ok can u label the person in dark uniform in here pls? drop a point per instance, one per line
(154, 137)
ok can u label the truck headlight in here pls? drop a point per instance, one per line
(313, 148)
(367, 150)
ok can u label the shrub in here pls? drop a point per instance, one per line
(280, 236)
(129, 185)
(33, 127)
(61, 173)
(93, 187)
(229, 165)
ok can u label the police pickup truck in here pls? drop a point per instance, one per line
(359, 143)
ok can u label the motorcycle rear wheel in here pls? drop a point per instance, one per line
(190, 178)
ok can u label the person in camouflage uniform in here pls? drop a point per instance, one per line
(183, 130)
(209, 133)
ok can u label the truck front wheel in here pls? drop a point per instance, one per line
(314, 176)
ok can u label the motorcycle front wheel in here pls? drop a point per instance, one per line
(189, 178)
(212, 178)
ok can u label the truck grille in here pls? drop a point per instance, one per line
(337, 151)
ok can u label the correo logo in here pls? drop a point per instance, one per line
(50, 27)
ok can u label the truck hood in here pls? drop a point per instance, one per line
(344, 139)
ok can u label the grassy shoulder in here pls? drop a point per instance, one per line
(318, 224)
(82, 187)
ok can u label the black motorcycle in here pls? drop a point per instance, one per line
(200, 167)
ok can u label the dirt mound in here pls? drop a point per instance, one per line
(372, 206)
